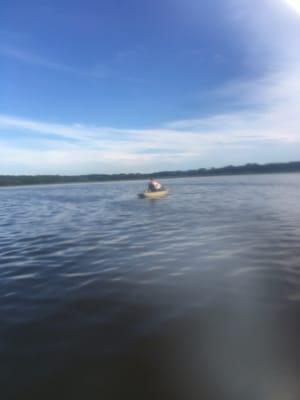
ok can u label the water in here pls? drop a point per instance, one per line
(107, 296)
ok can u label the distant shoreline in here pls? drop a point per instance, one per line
(20, 180)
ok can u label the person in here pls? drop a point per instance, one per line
(154, 186)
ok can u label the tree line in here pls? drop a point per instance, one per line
(13, 180)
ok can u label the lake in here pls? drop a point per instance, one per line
(195, 296)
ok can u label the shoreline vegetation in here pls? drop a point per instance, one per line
(16, 180)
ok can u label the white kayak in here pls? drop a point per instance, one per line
(153, 195)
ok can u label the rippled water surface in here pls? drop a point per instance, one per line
(107, 296)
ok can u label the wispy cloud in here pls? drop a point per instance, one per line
(271, 109)
(107, 70)
(28, 57)
(272, 120)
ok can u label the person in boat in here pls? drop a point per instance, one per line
(154, 185)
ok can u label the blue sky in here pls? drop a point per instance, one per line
(114, 86)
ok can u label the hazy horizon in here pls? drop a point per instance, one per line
(154, 172)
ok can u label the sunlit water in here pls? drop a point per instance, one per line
(107, 296)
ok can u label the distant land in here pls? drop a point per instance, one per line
(14, 180)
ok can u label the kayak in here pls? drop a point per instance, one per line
(153, 195)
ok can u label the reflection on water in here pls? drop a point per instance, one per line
(108, 296)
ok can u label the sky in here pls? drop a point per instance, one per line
(113, 86)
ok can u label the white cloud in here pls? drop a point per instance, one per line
(272, 120)
(270, 109)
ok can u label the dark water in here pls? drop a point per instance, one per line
(195, 296)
